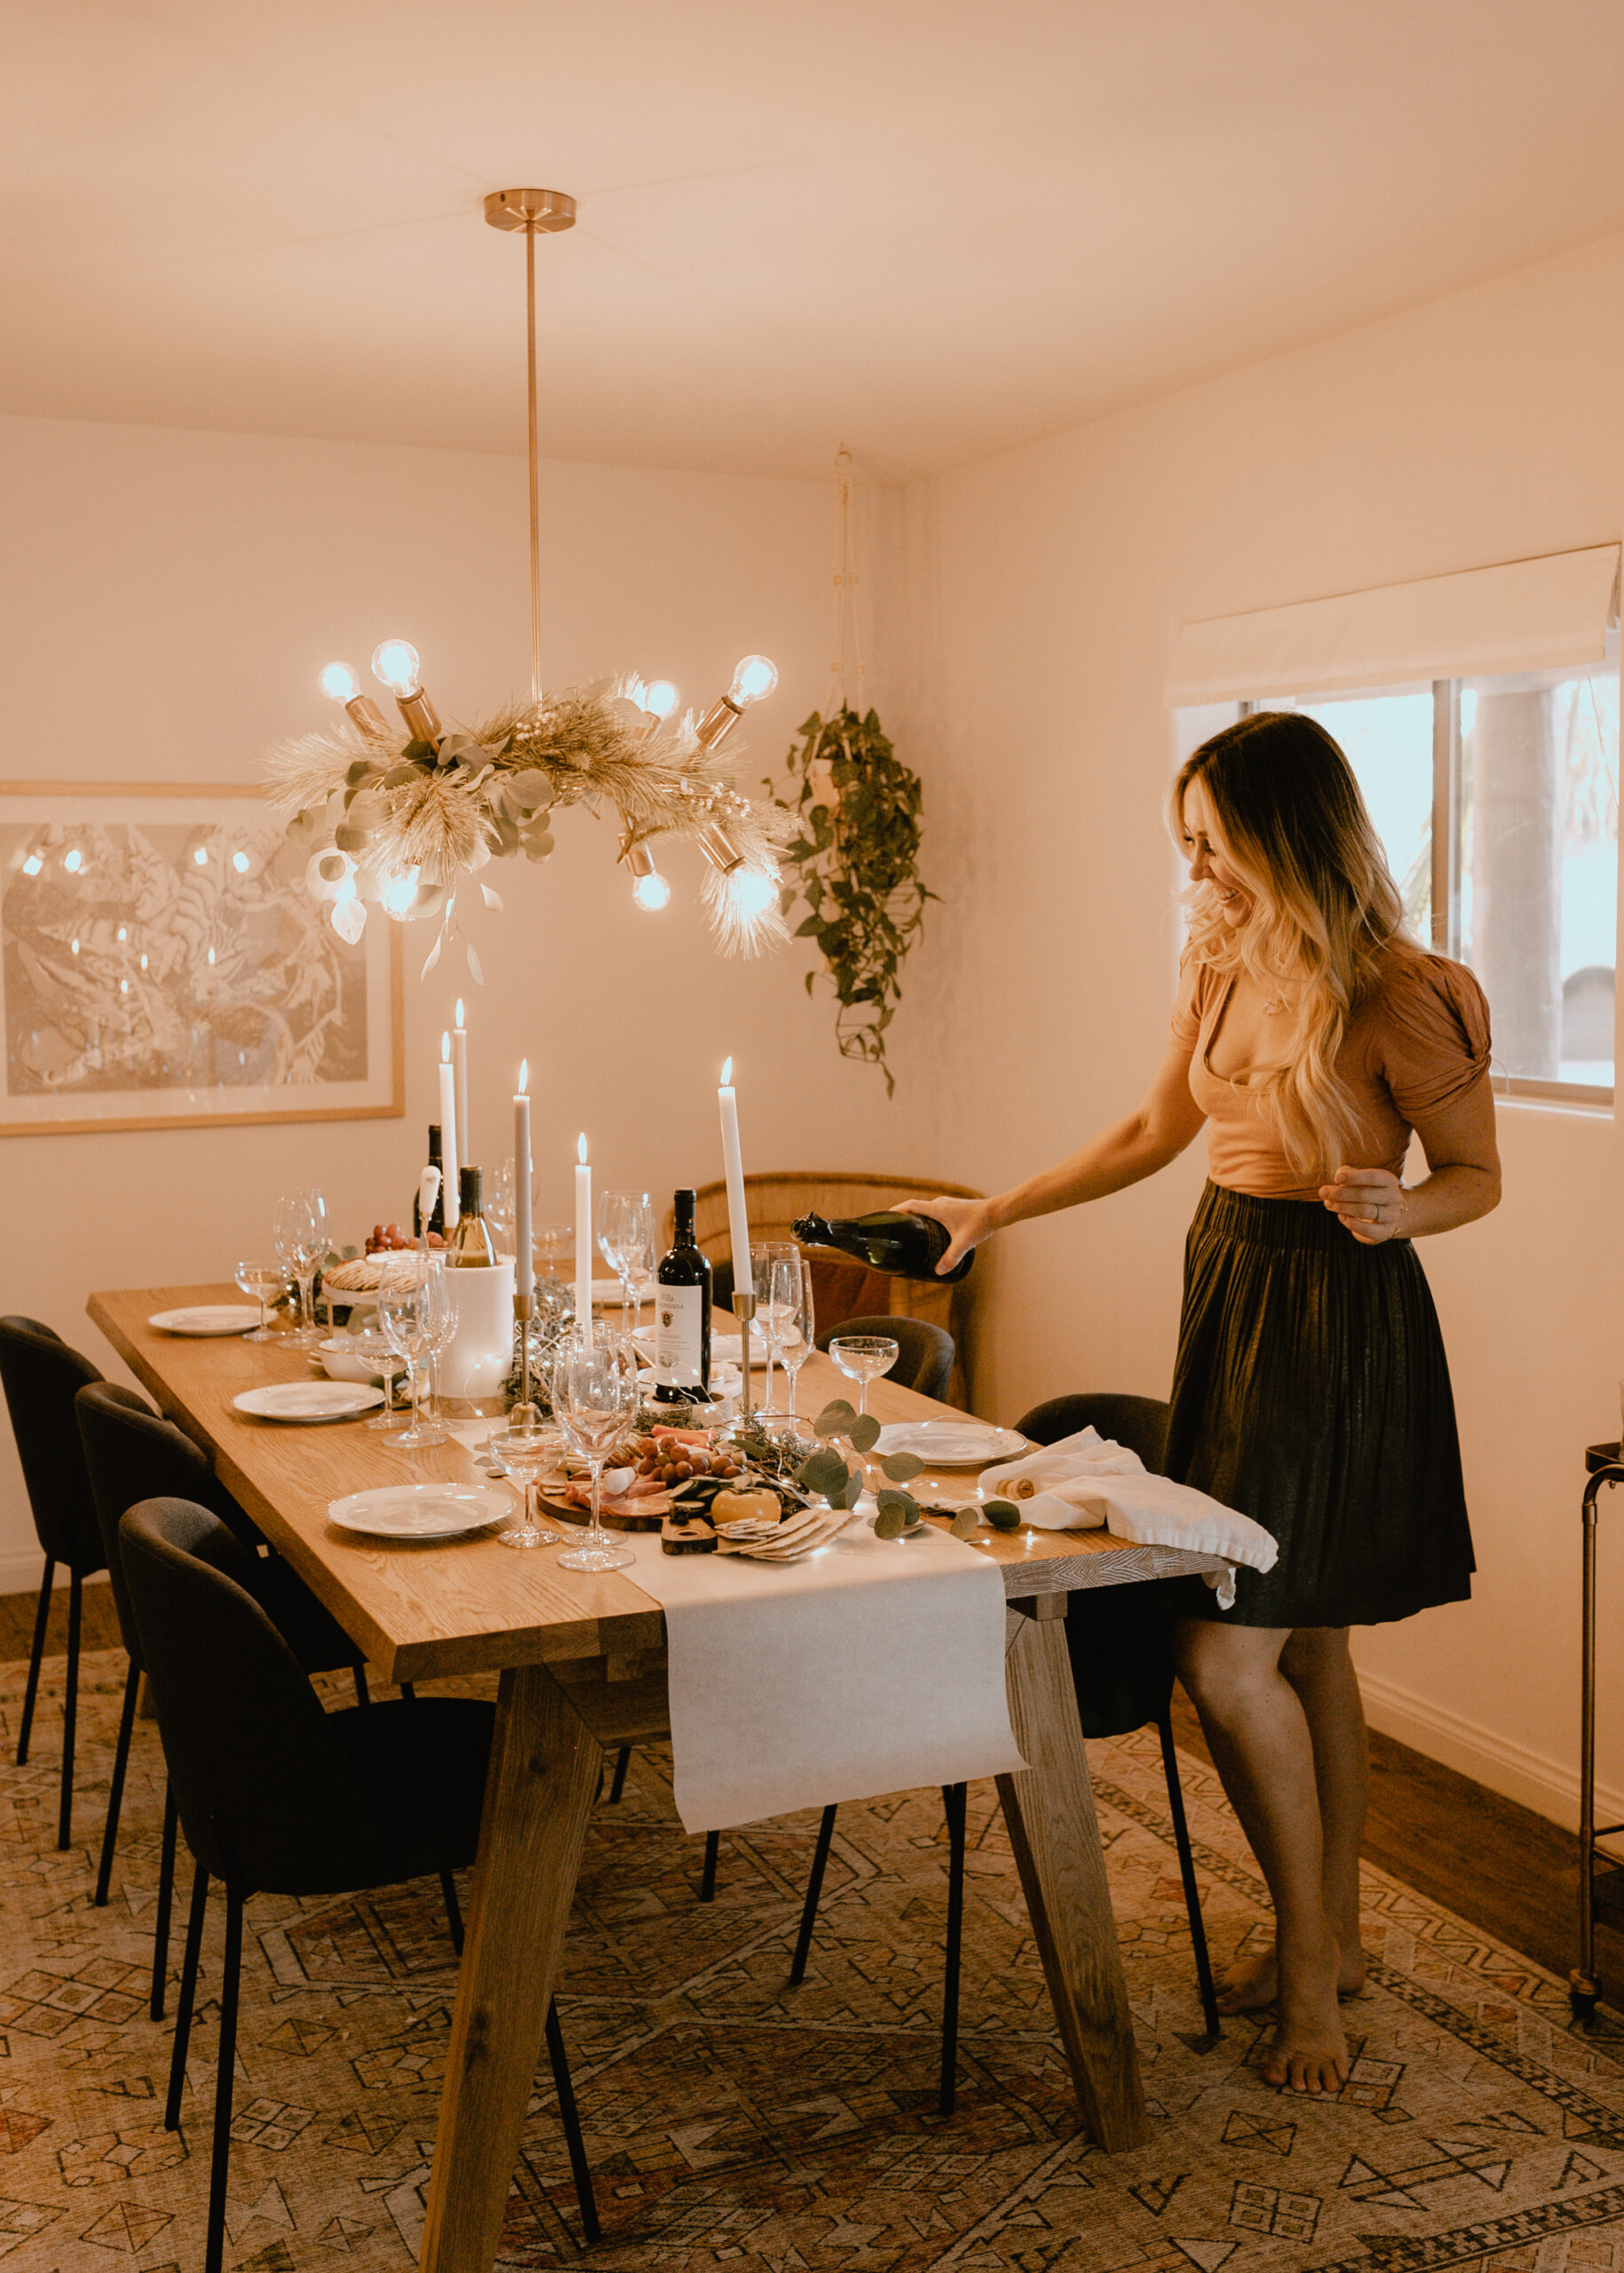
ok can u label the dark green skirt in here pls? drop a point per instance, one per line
(1312, 1393)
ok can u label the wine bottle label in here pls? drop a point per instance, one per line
(678, 1322)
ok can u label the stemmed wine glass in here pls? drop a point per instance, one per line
(264, 1283)
(442, 1330)
(793, 1281)
(620, 1236)
(642, 1256)
(410, 1303)
(594, 1401)
(863, 1357)
(774, 1300)
(301, 1242)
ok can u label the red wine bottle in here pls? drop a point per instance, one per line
(682, 1314)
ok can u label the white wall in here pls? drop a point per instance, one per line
(1046, 585)
(170, 597)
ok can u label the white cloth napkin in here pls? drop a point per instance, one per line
(1085, 1480)
(874, 1666)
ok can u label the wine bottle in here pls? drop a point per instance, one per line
(682, 1314)
(471, 1247)
(437, 1220)
(907, 1247)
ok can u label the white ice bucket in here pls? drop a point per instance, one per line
(479, 1355)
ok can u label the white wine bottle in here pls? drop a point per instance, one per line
(471, 1246)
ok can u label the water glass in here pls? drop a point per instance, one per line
(594, 1402)
(409, 1307)
(863, 1357)
(264, 1283)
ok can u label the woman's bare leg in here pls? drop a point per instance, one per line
(1316, 1662)
(1255, 1724)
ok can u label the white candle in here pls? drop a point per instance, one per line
(583, 1236)
(459, 1065)
(447, 1130)
(524, 1264)
(732, 1168)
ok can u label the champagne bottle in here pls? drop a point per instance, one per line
(907, 1247)
(471, 1247)
(682, 1314)
(437, 1220)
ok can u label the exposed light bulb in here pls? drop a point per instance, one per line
(395, 662)
(751, 892)
(73, 860)
(339, 680)
(239, 861)
(660, 697)
(755, 679)
(651, 892)
(32, 866)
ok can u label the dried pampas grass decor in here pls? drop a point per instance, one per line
(401, 822)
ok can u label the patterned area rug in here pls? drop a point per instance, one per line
(733, 2121)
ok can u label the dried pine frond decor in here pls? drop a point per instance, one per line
(402, 822)
(855, 864)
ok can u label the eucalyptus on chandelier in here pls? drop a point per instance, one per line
(402, 818)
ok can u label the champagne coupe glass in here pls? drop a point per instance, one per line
(594, 1402)
(863, 1357)
(773, 1303)
(404, 1309)
(794, 1285)
(527, 1449)
(264, 1283)
(371, 1345)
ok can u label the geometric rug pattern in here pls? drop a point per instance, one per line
(733, 2122)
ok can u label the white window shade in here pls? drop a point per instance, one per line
(1527, 615)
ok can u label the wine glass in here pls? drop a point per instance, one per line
(264, 1283)
(301, 1241)
(405, 1312)
(594, 1401)
(863, 1357)
(625, 1227)
(498, 1205)
(371, 1345)
(440, 1321)
(525, 1447)
(773, 1299)
(548, 1244)
(793, 1283)
(642, 1256)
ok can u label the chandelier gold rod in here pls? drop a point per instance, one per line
(535, 494)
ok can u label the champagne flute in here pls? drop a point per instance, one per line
(799, 1326)
(405, 1305)
(864, 1357)
(774, 1303)
(594, 1401)
(264, 1283)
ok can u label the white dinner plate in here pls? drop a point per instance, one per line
(950, 1443)
(207, 1318)
(308, 1400)
(422, 1510)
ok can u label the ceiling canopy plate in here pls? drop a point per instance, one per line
(524, 208)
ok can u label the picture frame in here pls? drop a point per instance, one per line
(163, 966)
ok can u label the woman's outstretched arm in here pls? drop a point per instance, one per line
(1133, 1149)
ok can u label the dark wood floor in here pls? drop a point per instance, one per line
(1497, 1864)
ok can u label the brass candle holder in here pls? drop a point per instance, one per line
(524, 1414)
(744, 1310)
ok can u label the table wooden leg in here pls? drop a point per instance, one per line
(1049, 1812)
(538, 1797)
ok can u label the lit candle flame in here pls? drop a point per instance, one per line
(524, 1075)
(459, 1010)
(727, 1071)
(445, 1050)
(581, 1148)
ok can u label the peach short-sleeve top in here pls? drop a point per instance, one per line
(1418, 1042)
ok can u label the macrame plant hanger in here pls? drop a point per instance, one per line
(846, 602)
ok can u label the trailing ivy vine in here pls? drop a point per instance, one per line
(854, 867)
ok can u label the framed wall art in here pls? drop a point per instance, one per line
(162, 966)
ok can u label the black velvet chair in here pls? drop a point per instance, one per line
(276, 1796)
(41, 1375)
(925, 1352)
(1120, 1637)
(131, 1453)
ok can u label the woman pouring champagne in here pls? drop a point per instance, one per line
(1311, 1035)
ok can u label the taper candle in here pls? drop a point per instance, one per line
(450, 1133)
(459, 1066)
(732, 1168)
(524, 1264)
(583, 1236)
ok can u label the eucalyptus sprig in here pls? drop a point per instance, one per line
(827, 1472)
(855, 865)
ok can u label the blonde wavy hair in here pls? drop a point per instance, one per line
(1324, 910)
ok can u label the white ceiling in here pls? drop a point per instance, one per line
(934, 228)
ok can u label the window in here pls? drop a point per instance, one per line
(1497, 801)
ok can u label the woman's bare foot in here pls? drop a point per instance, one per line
(1252, 1984)
(1309, 2052)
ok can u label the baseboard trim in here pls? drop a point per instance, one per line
(1551, 1788)
(23, 1569)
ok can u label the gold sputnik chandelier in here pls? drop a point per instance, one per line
(401, 817)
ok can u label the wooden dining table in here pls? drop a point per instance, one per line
(581, 1668)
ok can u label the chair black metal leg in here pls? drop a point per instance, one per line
(1186, 1871)
(115, 1789)
(621, 1760)
(454, 1910)
(814, 1890)
(166, 1896)
(40, 1617)
(954, 1799)
(70, 1712)
(188, 1996)
(580, 2170)
(225, 2077)
(708, 1877)
(363, 1695)
(408, 1693)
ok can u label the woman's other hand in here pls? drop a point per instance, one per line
(1370, 1201)
(966, 1221)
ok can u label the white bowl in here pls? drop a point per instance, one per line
(340, 1364)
